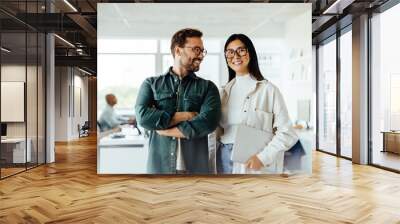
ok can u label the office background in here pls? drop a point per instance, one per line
(73, 47)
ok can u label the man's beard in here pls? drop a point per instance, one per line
(194, 66)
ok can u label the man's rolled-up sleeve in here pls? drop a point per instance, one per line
(147, 115)
(208, 118)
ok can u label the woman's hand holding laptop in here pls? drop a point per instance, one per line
(254, 163)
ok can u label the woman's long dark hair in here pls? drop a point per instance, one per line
(253, 63)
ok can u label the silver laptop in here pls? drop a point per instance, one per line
(248, 142)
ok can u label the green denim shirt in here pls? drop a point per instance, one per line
(158, 99)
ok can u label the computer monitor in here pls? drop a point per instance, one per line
(3, 129)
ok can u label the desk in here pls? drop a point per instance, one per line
(17, 150)
(126, 155)
(296, 161)
(391, 141)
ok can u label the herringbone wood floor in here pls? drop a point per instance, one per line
(70, 191)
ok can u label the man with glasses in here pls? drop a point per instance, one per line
(180, 109)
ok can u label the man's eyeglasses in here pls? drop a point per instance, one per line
(198, 50)
(241, 51)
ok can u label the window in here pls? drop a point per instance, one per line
(346, 94)
(385, 85)
(167, 61)
(122, 75)
(327, 97)
(22, 65)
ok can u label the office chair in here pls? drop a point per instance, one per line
(100, 128)
(135, 126)
(84, 130)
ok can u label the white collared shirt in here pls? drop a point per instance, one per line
(109, 118)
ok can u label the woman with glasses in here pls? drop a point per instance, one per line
(249, 99)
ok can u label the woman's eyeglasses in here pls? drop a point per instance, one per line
(241, 51)
(198, 50)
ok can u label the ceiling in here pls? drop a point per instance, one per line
(76, 22)
(214, 20)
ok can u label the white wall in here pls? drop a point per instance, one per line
(297, 85)
(70, 83)
(61, 103)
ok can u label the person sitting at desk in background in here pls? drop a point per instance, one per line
(109, 119)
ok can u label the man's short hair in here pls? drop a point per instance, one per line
(179, 38)
(108, 97)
